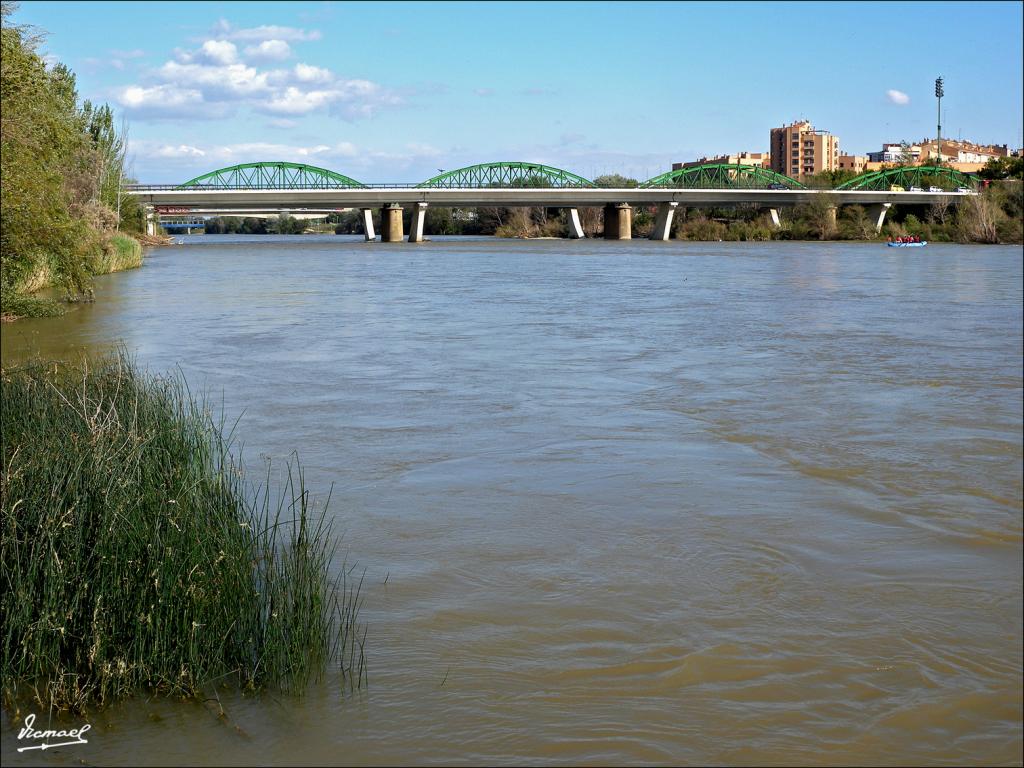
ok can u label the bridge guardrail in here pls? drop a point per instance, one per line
(214, 187)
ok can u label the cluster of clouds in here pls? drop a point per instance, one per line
(237, 68)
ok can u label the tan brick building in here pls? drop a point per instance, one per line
(799, 151)
(758, 159)
(855, 163)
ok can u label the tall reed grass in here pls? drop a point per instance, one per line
(136, 556)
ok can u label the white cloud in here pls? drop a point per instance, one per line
(306, 73)
(225, 30)
(484, 91)
(182, 150)
(233, 81)
(167, 102)
(269, 50)
(218, 52)
(897, 97)
(295, 102)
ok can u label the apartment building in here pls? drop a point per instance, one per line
(799, 150)
(896, 153)
(758, 159)
(855, 163)
(924, 151)
(954, 151)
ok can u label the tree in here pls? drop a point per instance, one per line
(62, 168)
(906, 156)
(820, 215)
(616, 181)
(1003, 168)
(285, 224)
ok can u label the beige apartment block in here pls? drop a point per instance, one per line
(966, 152)
(855, 163)
(757, 159)
(798, 150)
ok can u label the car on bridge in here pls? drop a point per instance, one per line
(777, 185)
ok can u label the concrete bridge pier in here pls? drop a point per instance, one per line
(776, 221)
(832, 217)
(150, 221)
(391, 223)
(876, 212)
(663, 221)
(419, 215)
(368, 230)
(575, 227)
(618, 221)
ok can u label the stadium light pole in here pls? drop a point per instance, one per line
(939, 93)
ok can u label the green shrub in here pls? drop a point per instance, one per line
(136, 557)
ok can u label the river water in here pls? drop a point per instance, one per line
(616, 502)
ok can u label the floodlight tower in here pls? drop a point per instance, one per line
(939, 93)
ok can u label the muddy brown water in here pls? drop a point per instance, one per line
(616, 502)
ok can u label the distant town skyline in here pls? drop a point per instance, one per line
(393, 92)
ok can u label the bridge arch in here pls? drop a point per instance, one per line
(273, 175)
(908, 176)
(506, 174)
(722, 176)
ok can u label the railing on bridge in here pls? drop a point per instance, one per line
(229, 187)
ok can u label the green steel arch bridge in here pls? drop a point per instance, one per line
(909, 176)
(273, 175)
(723, 176)
(506, 174)
(301, 189)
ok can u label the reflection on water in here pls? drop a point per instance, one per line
(617, 502)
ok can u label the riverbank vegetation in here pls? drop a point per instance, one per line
(136, 557)
(62, 162)
(250, 225)
(996, 215)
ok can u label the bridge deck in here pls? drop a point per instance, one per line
(297, 199)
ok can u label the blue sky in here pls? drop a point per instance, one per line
(391, 92)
